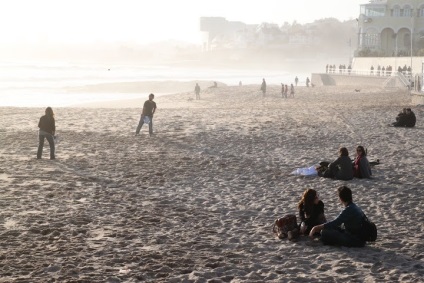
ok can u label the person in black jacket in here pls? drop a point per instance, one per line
(311, 211)
(47, 130)
(341, 168)
(406, 118)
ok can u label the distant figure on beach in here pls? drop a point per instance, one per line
(286, 90)
(149, 109)
(296, 80)
(197, 91)
(341, 168)
(47, 130)
(406, 118)
(292, 90)
(307, 81)
(372, 70)
(283, 92)
(263, 87)
(361, 166)
(240, 84)
(311, 211)
(345, 229)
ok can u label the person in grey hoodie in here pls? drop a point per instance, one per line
(341, 168)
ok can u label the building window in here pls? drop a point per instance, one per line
(396, 11)
(421, 11)
(371, 40)
(407, 11)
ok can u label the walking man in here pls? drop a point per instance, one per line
(149, 109)
(197, 91)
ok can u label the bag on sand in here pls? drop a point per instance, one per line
(368, 232)
(282, 226)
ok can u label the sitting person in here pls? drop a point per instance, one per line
(341, 168)
(345, 229)
(410, 118)
(406, 118)
(311, 211)
(361, 166)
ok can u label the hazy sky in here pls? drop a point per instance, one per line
(142, 21)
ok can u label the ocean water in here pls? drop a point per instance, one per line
(32, 84)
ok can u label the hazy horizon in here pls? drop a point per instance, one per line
(130, 21)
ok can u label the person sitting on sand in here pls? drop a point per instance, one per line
(400, 119)
(341, 168)
(345, 229)
(361, 166)
(311, 211)
(47, 130)
(411, 119)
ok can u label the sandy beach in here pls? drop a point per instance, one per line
(196, 202)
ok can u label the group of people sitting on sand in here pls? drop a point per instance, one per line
(344, 230)
(343, 168)
(406, 118)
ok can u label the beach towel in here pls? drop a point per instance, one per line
(309, 171)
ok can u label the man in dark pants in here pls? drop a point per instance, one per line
(351, 217)
(149, 109)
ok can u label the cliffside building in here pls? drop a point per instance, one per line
(391, 28)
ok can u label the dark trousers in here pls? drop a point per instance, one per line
(141, 123)
(340, 238)
(41, 145)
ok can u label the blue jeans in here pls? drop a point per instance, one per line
(141, 123)
(50, 139)
(340, 238)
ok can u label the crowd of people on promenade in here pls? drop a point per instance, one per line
(373, 71)
(332, 69)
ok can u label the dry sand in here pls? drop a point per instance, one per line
(196, 202)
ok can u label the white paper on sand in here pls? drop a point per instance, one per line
(309, 171)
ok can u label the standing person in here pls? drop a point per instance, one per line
(307, 81)
(345, 229)
(263, 87)
(296, 80)
(149, 109)
(311, 211)
(197, 91)
(47, 130)
(361, 166)
(283, 93)
(291, 90)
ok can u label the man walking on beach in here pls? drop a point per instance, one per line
(263, 87)
(197, 91)
(149, 109)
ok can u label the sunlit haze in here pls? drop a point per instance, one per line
(93, 21)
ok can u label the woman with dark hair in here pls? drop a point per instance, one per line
(361, 166)
(47, 129)
(311, 211)
(341, 168)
